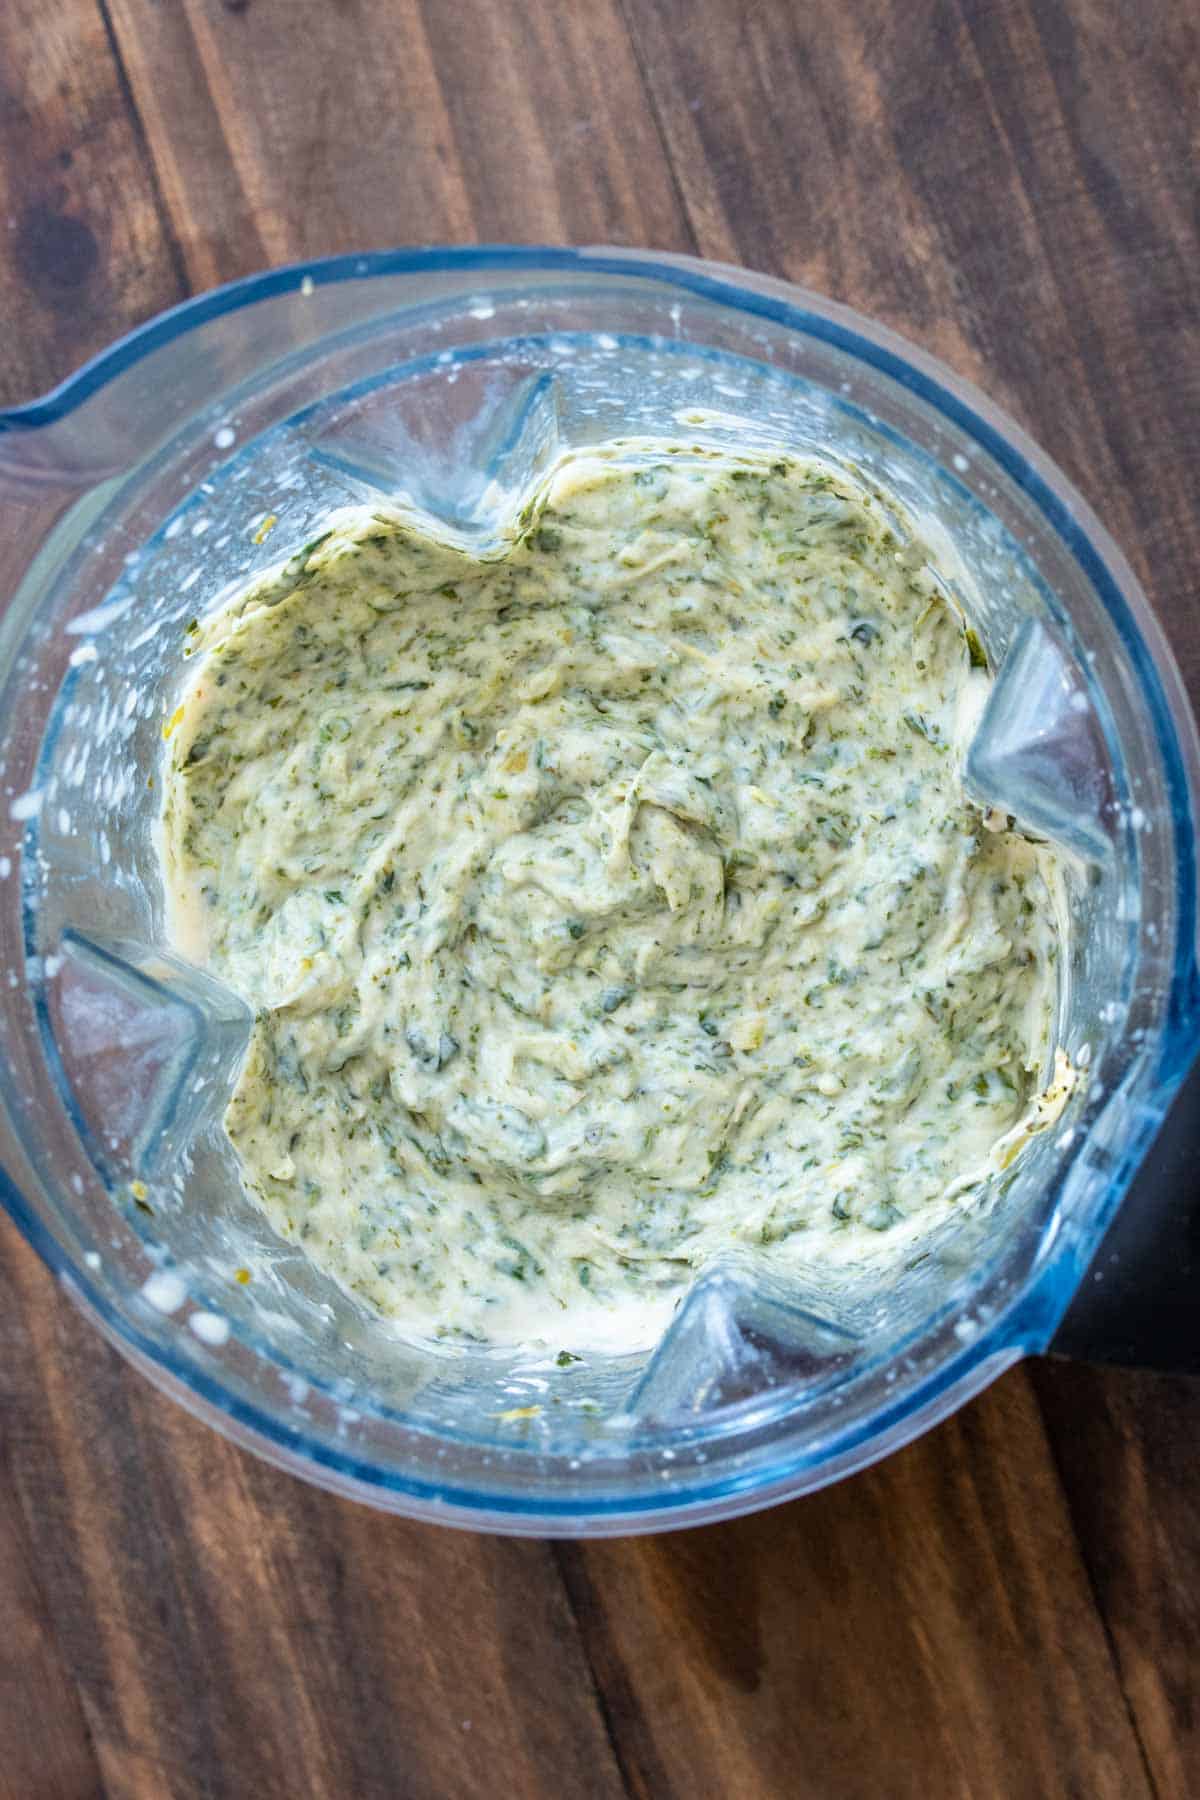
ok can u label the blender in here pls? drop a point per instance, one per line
(216, 439)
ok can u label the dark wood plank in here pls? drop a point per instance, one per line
(85, 250)
(47, 1750)
(454, 123)
(781, 124)
(273, 143)
(556, 139)
(1125, 1443)
(924, 1629)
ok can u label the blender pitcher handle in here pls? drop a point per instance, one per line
(1137, 1304)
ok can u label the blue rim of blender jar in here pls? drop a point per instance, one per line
(1176, 1051)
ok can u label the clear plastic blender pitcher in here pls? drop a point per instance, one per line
(137, 492)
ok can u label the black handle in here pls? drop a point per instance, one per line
(1139, 1302)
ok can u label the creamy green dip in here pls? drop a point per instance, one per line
(609, 900)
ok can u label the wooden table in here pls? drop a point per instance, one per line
(1012, 1606)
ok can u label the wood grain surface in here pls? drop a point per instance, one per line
(1011, 1607)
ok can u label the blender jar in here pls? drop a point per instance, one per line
(137, 492)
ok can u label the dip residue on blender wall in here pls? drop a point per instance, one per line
(610, 899)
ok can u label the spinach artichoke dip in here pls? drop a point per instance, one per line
(610, 899)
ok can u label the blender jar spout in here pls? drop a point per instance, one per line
(39, 460)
